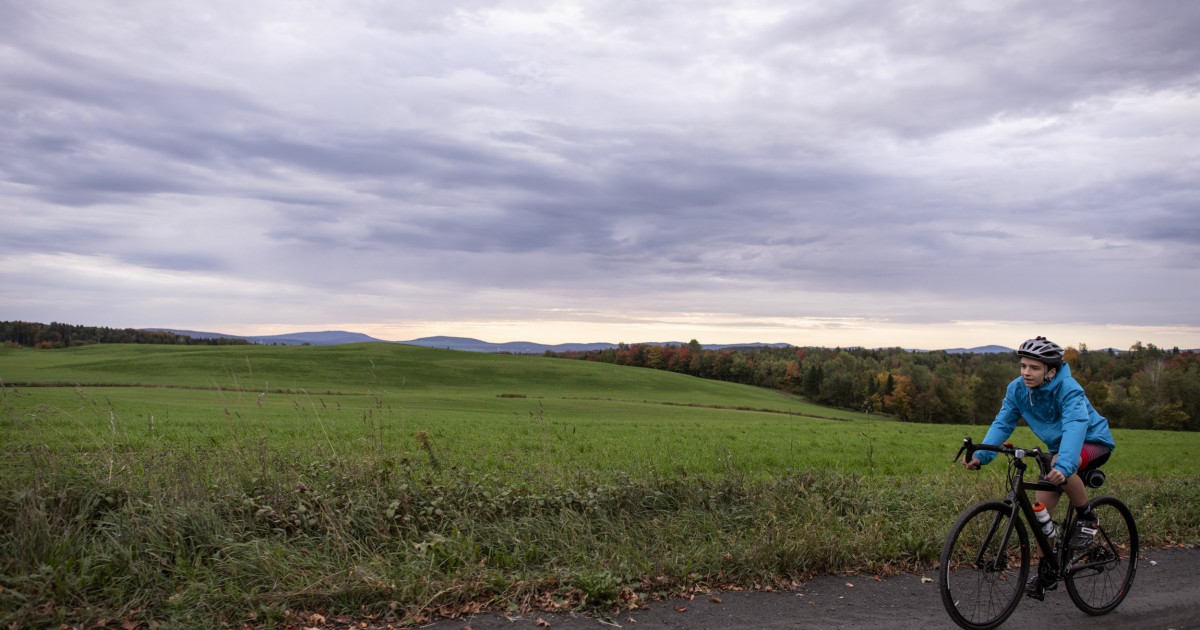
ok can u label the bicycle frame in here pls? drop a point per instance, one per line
(1050, 565)
(1054, 554)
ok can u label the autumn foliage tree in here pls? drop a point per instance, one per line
(1145, 387)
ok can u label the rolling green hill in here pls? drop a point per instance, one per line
(369, 368)
(492, 412)
(489, 412)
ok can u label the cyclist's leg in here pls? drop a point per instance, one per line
(1049, 499)
(1086, 523)
(1074, 488)
(1076, 491)
(1091, 456)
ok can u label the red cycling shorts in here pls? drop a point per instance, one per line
(1093, 455)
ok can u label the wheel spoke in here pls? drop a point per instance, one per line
(1100, 576)
(984, 566)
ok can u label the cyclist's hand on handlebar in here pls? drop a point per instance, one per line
(1056, 477)
(973, 464)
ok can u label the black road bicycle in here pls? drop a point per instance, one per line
(985, 561)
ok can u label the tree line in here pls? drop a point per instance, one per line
(1145, 387)
(17, 334)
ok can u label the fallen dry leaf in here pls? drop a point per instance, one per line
(849, 585)
(542, 623)
(680, 609)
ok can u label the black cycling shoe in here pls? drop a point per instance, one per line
(1035, 588)
(1084, 532)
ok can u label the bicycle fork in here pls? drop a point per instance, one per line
(1000, 563)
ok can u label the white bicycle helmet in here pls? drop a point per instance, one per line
(1043, 350)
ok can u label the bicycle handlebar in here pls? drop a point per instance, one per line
(968, 447)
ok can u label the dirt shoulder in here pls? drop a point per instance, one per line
(1165, 595)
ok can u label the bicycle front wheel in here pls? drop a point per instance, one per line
(1098, 576)
(984, 565)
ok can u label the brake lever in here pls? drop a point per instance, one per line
(962, 449)
(1045, 463)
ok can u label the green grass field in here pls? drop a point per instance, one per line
(489, 413)
(399, 480)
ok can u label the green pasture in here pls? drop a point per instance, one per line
(179, 486)
(489, 413)
(369, 369)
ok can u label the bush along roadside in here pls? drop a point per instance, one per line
(204, 539)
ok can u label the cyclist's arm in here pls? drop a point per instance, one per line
(1074, 430)
(1002, 427)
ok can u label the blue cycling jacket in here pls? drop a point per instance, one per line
(1058, 412)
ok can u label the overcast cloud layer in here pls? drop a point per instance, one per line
(928, 174)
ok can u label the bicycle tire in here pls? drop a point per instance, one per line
(981, 584)
(1099, 576)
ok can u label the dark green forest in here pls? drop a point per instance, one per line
(1145, 387)
(56, 335)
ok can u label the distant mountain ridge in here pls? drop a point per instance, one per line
(530, 347)
(980, 350)
(513, 347)
(338, 337)
(321, 338)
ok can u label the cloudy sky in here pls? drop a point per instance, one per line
(923, 174)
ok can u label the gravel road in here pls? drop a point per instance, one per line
(1165, 596)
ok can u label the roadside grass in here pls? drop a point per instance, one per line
(397, 497)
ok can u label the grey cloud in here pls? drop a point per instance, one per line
(112, 138)
(1162, 206)
(177, 261)
(536, 207)
(957, 65)
(1180, 226)
(986, 234)
(20, 235)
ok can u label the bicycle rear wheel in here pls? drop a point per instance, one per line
(984, 565)
(1098, 577)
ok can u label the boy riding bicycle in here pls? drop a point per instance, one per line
(1055, 407)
